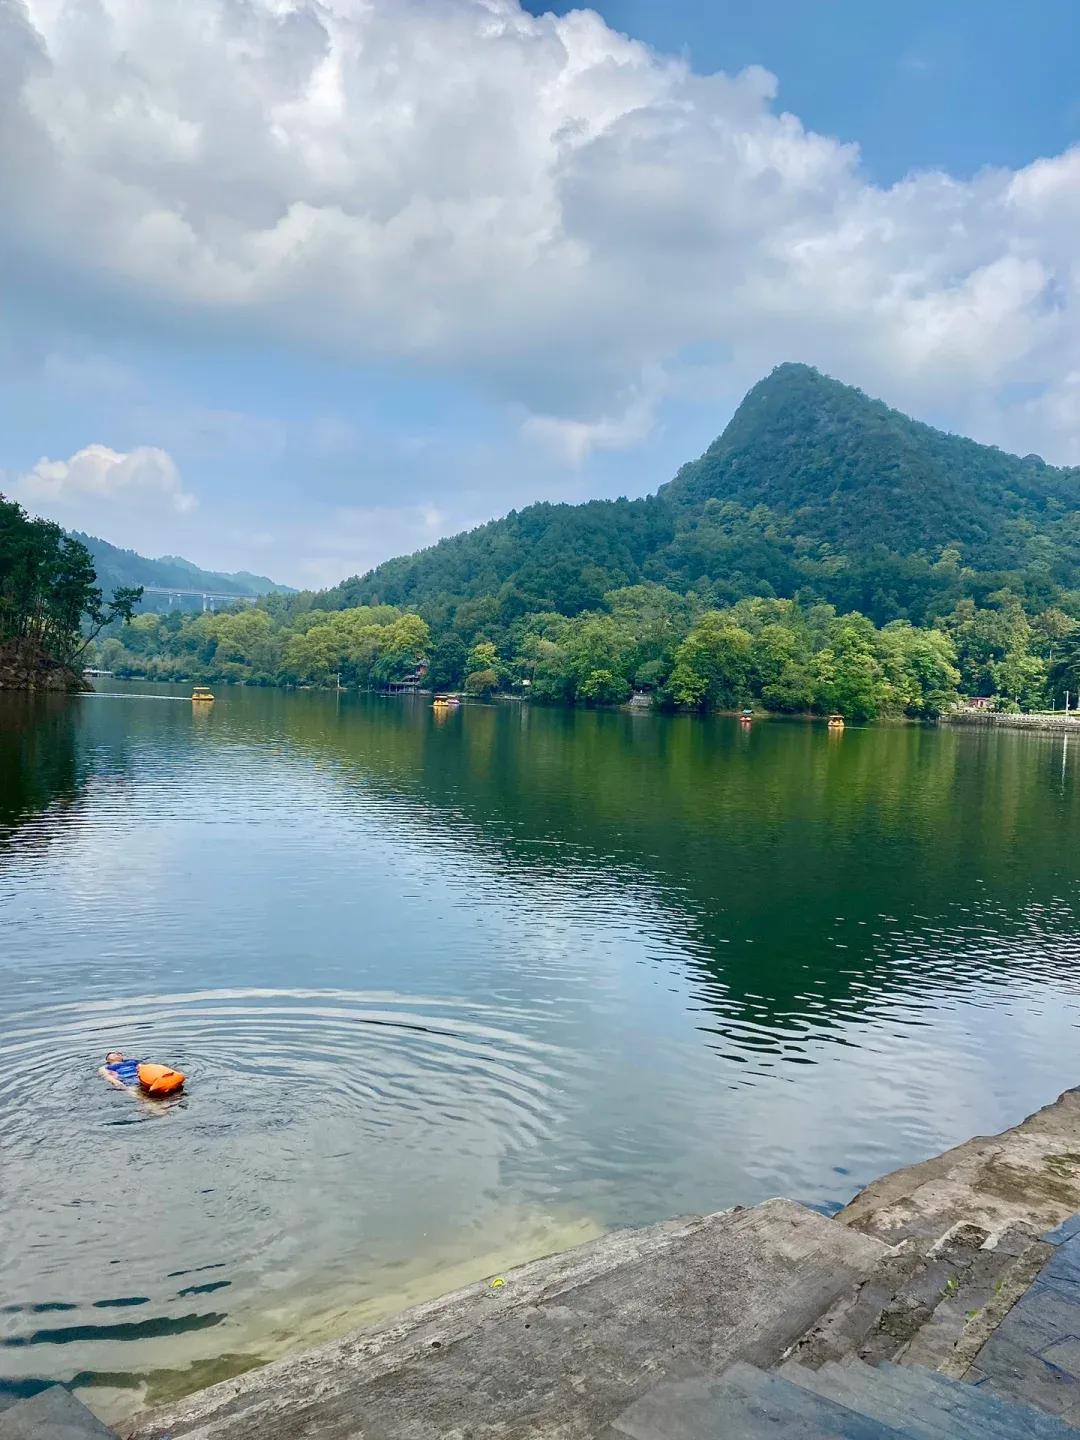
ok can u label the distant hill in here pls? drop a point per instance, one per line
(116, 567)
(813, 490)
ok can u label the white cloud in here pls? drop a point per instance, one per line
(574, 440)
(362, 536)
(538, 206)
(81, 492)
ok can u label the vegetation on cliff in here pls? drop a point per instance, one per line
(51, 608)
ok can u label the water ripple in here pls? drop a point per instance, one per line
(454, 996)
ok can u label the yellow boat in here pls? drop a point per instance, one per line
(202, 695)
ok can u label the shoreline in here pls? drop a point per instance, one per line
(1060, 723)
(974, 719)
(562, 1346)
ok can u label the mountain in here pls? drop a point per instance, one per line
(813, 490)
(849, 471)
(117, 567)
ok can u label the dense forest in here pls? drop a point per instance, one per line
(825, 553)
(51, 607)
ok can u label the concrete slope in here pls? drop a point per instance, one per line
(559, 1350)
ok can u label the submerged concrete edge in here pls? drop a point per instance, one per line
(558, 1350)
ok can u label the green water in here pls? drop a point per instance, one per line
(457, 991)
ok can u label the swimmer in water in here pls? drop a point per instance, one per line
(124, 1074)
(155, 1082)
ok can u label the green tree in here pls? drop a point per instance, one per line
(51, 608)
(482, 656)
(403, 646)
(550, 671)
(447, 663)
(983, 636)
(1065, 673)
(792, 691)
(603, 687)
(248, 638)
(712, 665)
(1020, 678)
(481, 682)
(848, 678)
(920, 669)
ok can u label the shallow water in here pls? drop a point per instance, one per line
(455, 991)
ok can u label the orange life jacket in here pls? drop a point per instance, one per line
(160, 1079)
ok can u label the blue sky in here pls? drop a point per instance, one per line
(918, 85)
(295, 289)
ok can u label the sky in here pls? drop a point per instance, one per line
(292, 286)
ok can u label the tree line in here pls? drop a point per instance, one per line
(677, 649)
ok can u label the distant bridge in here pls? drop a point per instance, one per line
(208, 597)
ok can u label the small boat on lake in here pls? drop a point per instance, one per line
(202, 695)
(836, 722)
(445, 702)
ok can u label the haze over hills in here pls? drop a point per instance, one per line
(813, 489)
(116, 567)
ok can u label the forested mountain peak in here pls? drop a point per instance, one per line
(813, 489)
(849, 470)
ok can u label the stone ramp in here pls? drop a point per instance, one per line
(744, 1404)
(562, 1348)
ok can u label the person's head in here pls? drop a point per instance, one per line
(114, 1057)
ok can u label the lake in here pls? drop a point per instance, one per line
(455, 991)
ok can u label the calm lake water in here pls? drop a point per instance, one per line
(454, 992)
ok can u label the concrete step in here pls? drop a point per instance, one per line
(926, 1405)
(976, 1299)
(930, 1303)
(1011, 1418)
(860, 1388)
(52, 1414)
(743, 1404)
(1034, 1354)
(849, 1323)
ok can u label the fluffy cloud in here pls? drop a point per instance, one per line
(77, 491)
(541, 207)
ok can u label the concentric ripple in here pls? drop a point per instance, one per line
(375, 1058)
(305, 1144)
